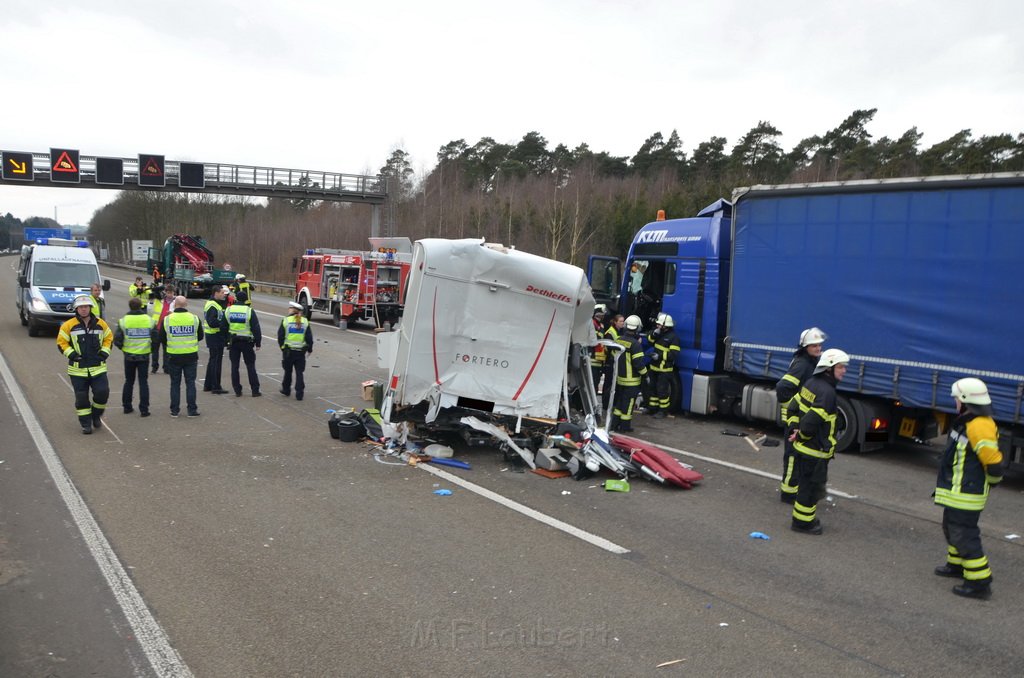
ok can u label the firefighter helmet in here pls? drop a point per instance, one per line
(831, 358)
(972, 391)
(600, 309)
(812, 336)
(665, 320)
(81, 300)
(633, 323)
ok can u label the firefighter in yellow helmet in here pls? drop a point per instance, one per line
(971, 464)
(85, 341)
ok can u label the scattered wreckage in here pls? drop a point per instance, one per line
(494, 347)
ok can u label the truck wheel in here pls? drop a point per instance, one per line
(33, 327)
(675, 394)
(21, 317)
(336, 314)
(846, 425)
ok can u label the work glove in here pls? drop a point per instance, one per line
(73, 358)
(104, 354)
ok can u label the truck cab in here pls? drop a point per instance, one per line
(51, 273)
(679, 267)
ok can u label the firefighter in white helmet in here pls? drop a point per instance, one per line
(665, 351)
(85, 341)
(631, 372)
(971, 464)
(801, 367)
(814, 437)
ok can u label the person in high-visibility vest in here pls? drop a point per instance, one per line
(161, 307)
(98, 302)
(597, 354)
(134, 336)
(139, 289)
(180, 335)
(971, 465)
(665, 349)
(295, 337)
(244, 339)
(85, 341)
(215, 329)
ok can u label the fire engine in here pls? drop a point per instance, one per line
(350, 285)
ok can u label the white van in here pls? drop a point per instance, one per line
(51, 273)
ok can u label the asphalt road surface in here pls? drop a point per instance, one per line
(247, 542)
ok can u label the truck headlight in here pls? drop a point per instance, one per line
(39, 304)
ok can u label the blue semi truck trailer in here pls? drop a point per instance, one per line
(920, 280)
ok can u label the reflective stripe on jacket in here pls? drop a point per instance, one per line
(970, 465)
(137, 329)
(237, 316)
(182, 329)
(666, 348)
(815, 408)
(295, 327)
(631, 361)
(800, 370)
(90, 344)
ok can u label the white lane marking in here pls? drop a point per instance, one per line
(154, 642)
(593, 539)
(745, 469)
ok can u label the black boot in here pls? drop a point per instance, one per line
(973, 590)
(813, 527)
(948, 570)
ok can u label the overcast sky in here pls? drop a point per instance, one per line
(338, 85)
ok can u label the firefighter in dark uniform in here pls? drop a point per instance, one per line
(244, 339)
(612, 334)
(971, 464)
(295, 337)
(215, 331)
(801, 367)
(665, 349)
(814, 438)
(631, 371)
(85, 340)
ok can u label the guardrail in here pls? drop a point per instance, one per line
(280, 289)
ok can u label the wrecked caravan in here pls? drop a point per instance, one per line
(487, 333)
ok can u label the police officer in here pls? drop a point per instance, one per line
(631, 371)
(134, 336)
(180, 336)
(814, 438)
(801, 367)
(243, 290)
(215, 330)
(85, 341)
(295, 337)
(612, 334)
(971, 464)
(96, 298)
(665, 349)
(244, 339)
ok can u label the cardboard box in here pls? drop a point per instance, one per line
(368, 390)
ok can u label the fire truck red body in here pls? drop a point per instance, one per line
(350, 285)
